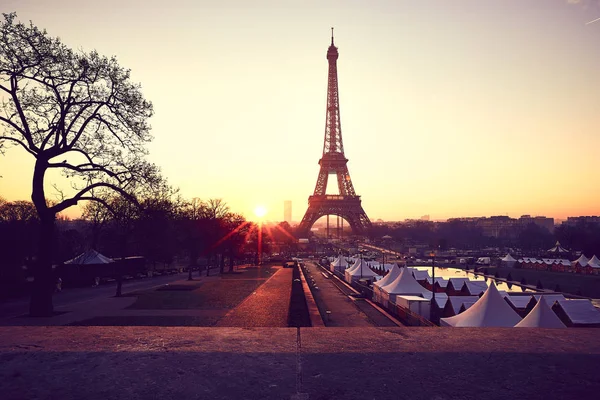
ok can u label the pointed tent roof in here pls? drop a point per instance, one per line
(508, 258)
(541, 316)
(594, 262)
(340, 262)
(489, 311)
(582, 260)
(405, 283)
(358, 263)
(89, 257)
(558, 248)
(389, 278)
(361, 268)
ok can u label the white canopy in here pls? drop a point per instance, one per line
(360, 270)
(594, 262)
(339, 262)
(89, 257)
(405, 283)
(389, 278)
(489, 311)
(582, 260)
(508, 258)
(357, 263)
(541, 316)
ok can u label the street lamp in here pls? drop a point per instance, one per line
(432, 254)
(361, 261)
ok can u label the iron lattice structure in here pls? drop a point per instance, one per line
(346, 204)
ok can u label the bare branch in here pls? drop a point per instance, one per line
(12, 139)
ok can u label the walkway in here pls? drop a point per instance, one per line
(268, 306)
(344, 311)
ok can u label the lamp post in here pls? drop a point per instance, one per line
(432, 254)
(361, 261)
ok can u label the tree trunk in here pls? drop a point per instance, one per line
(222, 264)
(230, 263)
(43, 276)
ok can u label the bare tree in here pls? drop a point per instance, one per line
(73, 111)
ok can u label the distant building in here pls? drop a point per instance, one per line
(542, 222)
(572, 221)
(502, 226)
(425, 218)
(287, 211)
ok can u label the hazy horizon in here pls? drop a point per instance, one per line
(452, 109)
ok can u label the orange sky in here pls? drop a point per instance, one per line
(448, 108)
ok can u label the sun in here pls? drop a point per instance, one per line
(260, 211)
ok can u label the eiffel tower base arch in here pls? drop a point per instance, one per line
(347, 207)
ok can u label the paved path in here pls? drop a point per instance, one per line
(336, 363)
(268, 306)
(343, 310)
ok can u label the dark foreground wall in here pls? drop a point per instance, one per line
(336, 363)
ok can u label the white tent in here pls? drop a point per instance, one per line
(360, 270)
(89, 257)
(541, 316)
(582, 261)
(389, 278)
(594, 262)
(558, 249)
(357, 262)
(489, 311)
(339, 264)
(508, 261)
(405, 284)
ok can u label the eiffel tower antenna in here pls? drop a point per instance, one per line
(347, 203)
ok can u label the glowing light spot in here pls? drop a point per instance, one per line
(260, 211)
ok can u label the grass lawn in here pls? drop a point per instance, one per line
(217, 294)
(587, 285)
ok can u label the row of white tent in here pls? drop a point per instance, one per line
(400, 287)
(582, 261)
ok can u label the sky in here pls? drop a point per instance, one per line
(448, 107)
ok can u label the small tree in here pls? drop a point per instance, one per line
(74, 112)
(539, 284)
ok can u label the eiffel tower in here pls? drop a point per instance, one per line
(346, 204)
